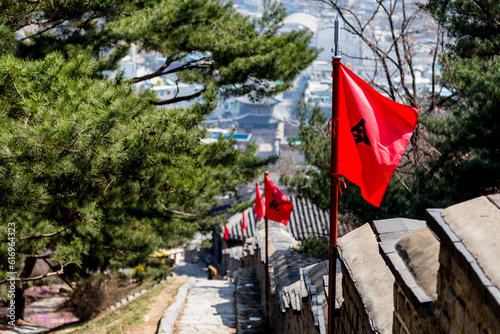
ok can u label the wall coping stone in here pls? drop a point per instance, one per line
(367, 269)
(172, 312)
(486, 289)
(313, 278)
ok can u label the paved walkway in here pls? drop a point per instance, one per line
(210, 305)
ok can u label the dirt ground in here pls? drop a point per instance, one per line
(150, 323)
(159, 305)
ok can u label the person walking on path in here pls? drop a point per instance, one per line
(212, 272)
(210, 305)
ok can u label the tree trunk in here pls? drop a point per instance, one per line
(29, 264)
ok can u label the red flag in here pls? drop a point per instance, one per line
(374, 132)
(226, 233)
(260, 205)
(244, 224)
(278, 206)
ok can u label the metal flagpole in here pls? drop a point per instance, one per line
(225, 260)
(334, 177)
(266, 306)
(243, 247)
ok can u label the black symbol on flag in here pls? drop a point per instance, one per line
(359, 133)
(274, 205)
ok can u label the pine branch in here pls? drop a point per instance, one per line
(48, 234)
(204, 62)
(177, 99)
(178, 212)
(36, 278)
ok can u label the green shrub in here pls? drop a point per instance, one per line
(315, 247)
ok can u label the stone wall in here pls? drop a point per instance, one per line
(404, 276)
(461, 307)
(285, 317)
(353, 317)
(468, 299)
(407, 319)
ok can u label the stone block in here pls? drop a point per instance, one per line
(493, 299)
(387, 247)
(165, 328)
(443, 231)
(444, 321)
(470, 324)
(479, 281)
(444, 258)
(432, 216)
(449, 297)
(454, 330)
(459, 313)
(491, 320)
(463, 257)
(475, 306)
(389, 226)
(461, 283)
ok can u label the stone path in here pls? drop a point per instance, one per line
(43, 311)
(210, 305)
(209, 309)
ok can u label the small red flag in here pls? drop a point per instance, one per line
(374, 132)
(260, 205)
(226, 233)
(244, 223)
(278, 206)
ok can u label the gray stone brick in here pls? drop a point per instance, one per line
(459, 313)
(470, 324)
(493, 299)
(445, 321)
(454, 330)
(479, 281)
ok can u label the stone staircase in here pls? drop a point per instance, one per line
(249, 308)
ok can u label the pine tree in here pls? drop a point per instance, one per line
(94, 174)
(468, 136)
(204, 42)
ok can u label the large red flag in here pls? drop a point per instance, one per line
(244, 223)
(374, 132)
(226, 233)
(278, 206)
(260, 205)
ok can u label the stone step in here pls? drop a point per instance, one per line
(249, 308)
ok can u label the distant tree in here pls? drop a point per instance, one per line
(203, 42)
(468, 138)
(401, 40)
(460, 131)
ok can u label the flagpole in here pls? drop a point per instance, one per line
(225, 249)
(225, 259)
(266, 307)
(334, 178)
(243, 247)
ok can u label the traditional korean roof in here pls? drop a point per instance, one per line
(306, 219)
